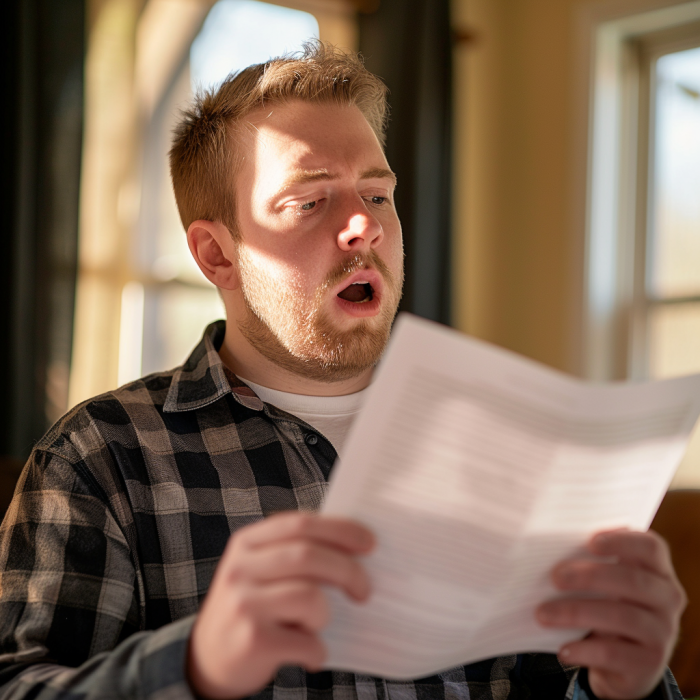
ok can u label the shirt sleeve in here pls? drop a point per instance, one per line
(666, 690)
(548, 679)
(69, 609)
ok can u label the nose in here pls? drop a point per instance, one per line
(361, 232)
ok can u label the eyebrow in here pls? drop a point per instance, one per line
(379, 174)
(303, 177)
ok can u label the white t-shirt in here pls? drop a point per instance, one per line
(332, 416)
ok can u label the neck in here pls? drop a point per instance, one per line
(245, 361)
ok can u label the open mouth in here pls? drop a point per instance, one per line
(357, 293)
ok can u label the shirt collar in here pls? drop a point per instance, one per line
(204, 378)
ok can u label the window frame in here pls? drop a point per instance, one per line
(649, 49)
(617, 183)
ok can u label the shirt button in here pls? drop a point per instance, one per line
(311, 438)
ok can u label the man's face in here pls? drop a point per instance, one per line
(320, 254)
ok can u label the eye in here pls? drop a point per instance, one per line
(308, 206)
(378, 200)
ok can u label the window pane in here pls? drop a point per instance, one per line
(674, 340)
(238, 33)
(688, 474)
(235, 34)
(675, 245)
(161, 243)
(674, 349)
(174, 319)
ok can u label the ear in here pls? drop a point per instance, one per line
(214, 251)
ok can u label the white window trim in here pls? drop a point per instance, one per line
(650, 48)
(608, 94)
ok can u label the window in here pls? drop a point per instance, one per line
(665, 338)
(643, 266)
(671, 289)
(177, 300)
(142, 303)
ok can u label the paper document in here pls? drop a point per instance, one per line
(478, 470)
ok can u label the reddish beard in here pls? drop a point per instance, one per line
(296, 334)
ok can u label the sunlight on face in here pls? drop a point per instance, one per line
(315, 210)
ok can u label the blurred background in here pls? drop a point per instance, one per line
(548, 156)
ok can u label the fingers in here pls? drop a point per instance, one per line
(632, 602)
(620, 581)
(642, 573)
(289, 604)
(291, 647)
(298, 545)
(265, 605)
(645, 549)
(337, 532)
(610, 654)
(239, 660)
(607, 617)
(617, 668)
(303, 559)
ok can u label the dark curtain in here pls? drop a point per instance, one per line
(408, 43)
(42, 72)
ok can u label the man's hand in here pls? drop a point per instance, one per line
(265, 605)
(634, 624)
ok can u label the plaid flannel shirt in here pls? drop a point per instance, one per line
(120, 518)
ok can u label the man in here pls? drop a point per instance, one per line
(121, 525)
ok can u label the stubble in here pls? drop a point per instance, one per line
(292, 329)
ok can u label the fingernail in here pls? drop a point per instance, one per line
(565, 653)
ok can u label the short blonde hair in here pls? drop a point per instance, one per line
(203, 158)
